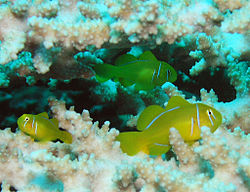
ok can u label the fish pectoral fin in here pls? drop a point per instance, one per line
(148, 55)
(44, 114)
(148, 115)
(158, 148)
(144, 80)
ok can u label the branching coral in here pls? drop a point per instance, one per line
(41, 27)
(226, 158)
(12, 35)
(95, 162)
(59, 39)
(230, 4)
(225, 52)
(239, 20)
(39, 160)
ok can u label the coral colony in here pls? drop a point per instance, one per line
(125, 95)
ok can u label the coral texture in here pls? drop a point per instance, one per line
(94, 161)
(50, 47)
(77, 25)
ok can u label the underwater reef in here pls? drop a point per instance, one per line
(94, 66)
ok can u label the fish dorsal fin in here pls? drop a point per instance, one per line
(55, 122)
(148, 55)
(125, 59)
(44, 114)
(176, 101)
(147, 116)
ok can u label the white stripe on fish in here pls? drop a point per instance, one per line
(159, 71)
(36, 129)
(164, 145)
(198, 116)
(130, 62)
(153, 76)
(192, 125)
(25, 124)
(213, 115)
(168, 74)
(211, 119)
(33, 122)
(159, 116)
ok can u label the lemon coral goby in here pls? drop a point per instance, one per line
(154, 123)
(41, 128)
(145, 72)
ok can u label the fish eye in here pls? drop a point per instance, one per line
(210, 112)
(169, 71)
(26, 119)
(168, 74)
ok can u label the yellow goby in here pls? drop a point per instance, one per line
(146, 72)
(41, 128)
(154, 124)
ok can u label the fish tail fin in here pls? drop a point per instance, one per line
(66, 137)
(130, 142)
(104, 72)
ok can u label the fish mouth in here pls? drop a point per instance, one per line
(19, 122)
